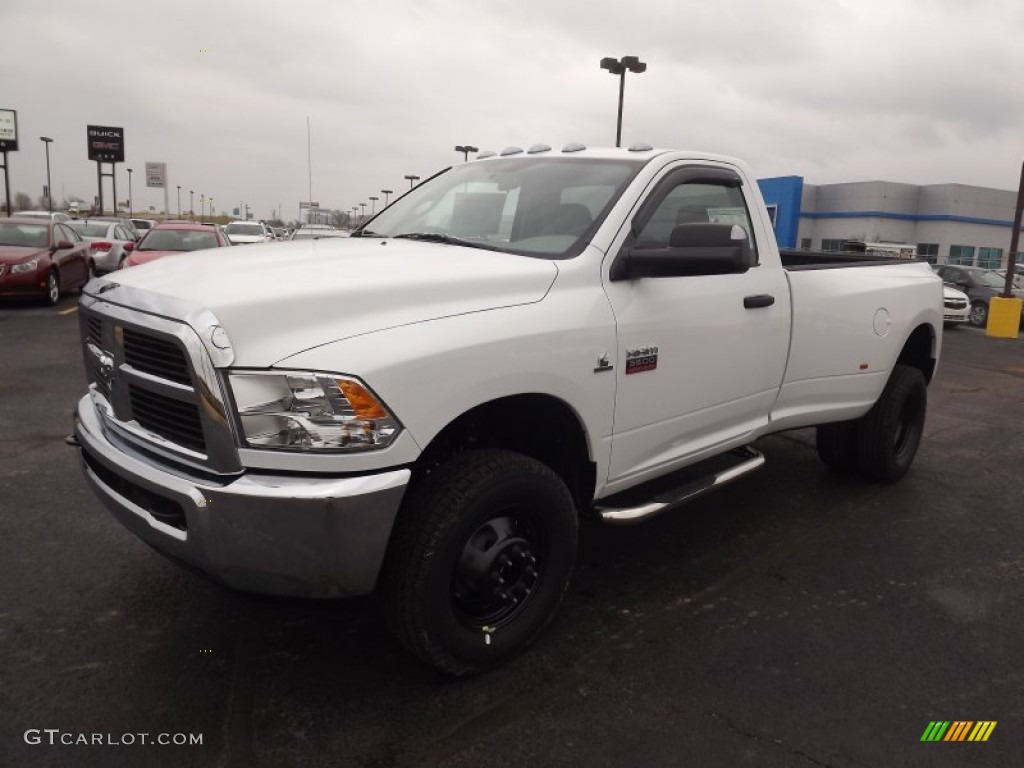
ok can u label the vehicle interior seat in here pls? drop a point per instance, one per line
(567, 219)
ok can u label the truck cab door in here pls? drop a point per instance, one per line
(702, 350)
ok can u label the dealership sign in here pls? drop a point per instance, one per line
(156, 175)
(106, 144)
(8, 130)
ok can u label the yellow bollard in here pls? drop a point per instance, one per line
(1003, 317)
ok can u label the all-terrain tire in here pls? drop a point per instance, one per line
(887, 436)
(485, 524)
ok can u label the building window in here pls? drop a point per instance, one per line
(961, 254)
(1020, 257)
(832, 245)
(928, 251)
(805, 244)
(990, 258)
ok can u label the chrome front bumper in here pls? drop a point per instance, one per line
(304, 536)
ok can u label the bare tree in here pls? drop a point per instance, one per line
(22, 202)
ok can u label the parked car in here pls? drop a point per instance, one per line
(428, 408)
(1018, 277)
(124, 222)
(315, 232)
(956, 306)
(54, 216)
(248, 232)
(979, 284)
(142, 226)
(169, 238)
(41, 258)
(110, 242)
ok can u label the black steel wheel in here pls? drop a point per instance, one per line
(479, 560)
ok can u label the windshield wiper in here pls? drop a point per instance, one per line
(366, 233)
(437, 237)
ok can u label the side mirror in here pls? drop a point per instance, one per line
(63, 245)
(693, 249)
(129, 246)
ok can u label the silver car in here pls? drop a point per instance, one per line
(110, 243)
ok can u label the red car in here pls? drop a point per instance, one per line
(172, 237)
(41, 258)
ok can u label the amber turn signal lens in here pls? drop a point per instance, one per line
(363, 403)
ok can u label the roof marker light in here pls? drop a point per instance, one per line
(511, 151)
(574, 146)
(486, 153)
(641, 146)
(538, 148)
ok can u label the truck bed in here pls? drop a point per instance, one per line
(794, 259)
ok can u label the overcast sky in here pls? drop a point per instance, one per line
(919, 91)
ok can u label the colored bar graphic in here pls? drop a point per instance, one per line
(958, 730)
(935, 730)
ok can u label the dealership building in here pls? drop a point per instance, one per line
(949, 223)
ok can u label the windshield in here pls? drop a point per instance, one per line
(990, 279)
(177, 240)
(244, 229)
(534, 206)
(91, 228)
(27, 235)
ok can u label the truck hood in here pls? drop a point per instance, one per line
(278, 299)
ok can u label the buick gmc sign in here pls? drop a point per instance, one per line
(106, 144)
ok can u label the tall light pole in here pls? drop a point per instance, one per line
(179, 201)
(619, 67)
(465, 149)
(362, 211)
(129, 194)
(202, 208)
(373, 204)
(387, 194)
(412, 180)
(49, 189)
(191, 206)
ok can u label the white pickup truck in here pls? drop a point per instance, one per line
(425, 410)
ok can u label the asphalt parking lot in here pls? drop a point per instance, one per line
(798, 618)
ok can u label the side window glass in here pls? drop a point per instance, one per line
(694, 203)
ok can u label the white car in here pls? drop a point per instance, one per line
(248, 232)
(55, 216)
(956, 306)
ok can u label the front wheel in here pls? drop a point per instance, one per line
(481, 555)
(889, 434)
(52, 288)
(979, 315)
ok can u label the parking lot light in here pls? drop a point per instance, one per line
(619, 67)
(49, 189)
(465, 149)
(412, 180)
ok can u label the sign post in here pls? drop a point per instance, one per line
(8, 143)
(106, 145)
(156, 176)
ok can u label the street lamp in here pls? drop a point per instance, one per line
(387, 194)
(129, 194)
(202, 208)
(191, 206)
(362, 212)
(179, 201)
(412, 180)
(619, 67)
(49, 190)
(373, 204)
(465, 149)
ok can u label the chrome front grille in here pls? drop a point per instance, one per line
(155, 386)
(955, 304)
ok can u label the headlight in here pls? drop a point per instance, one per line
(311, 412)
(26, 266)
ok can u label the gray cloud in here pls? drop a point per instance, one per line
(909, 90)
